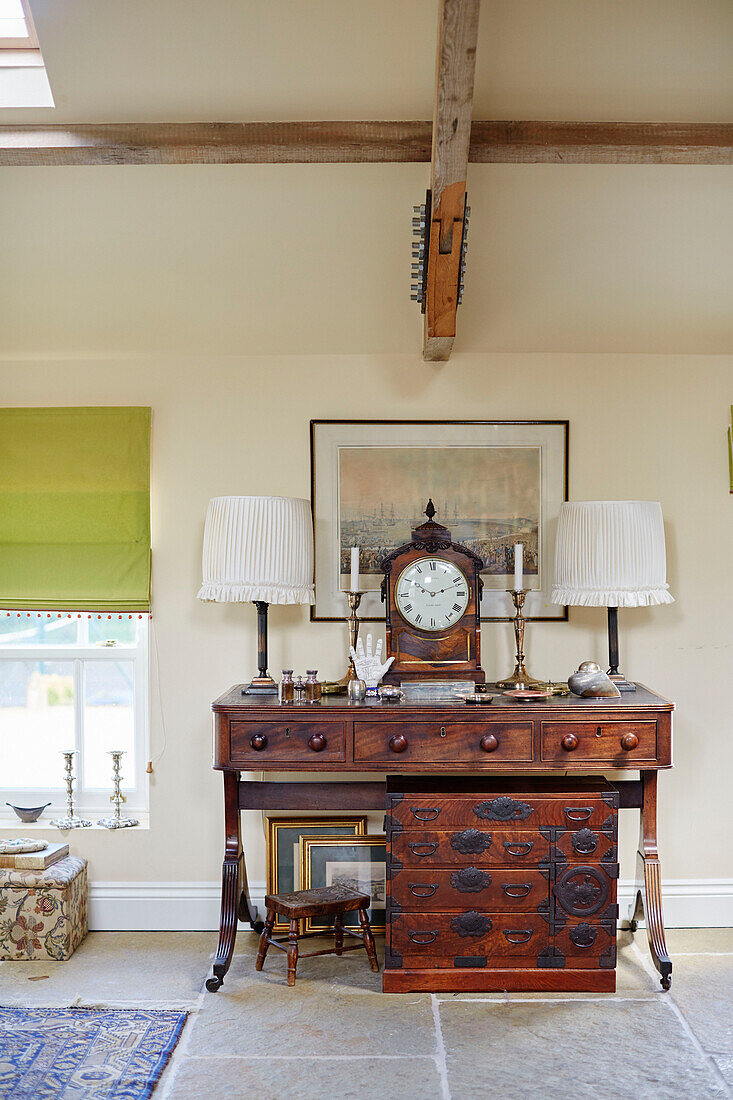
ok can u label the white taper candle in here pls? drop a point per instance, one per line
(354, 569)
(518, 566)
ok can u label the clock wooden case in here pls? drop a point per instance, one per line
(432, 591)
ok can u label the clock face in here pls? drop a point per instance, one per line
(432, 594)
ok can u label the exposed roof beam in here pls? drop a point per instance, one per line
(347, 142)
(455, 69)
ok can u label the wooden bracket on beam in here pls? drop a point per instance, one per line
(456, 63)
(444, 262)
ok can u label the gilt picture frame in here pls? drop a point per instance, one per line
(493, 483)
(283, 849)
(359, 862)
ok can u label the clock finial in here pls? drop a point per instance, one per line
(430, 510)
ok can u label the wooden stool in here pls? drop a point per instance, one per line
(328, 901)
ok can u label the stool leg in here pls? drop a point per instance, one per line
(264, 938)
(338, 933)
(293, 950)
(366, 932)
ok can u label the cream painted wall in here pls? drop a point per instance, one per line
(651, 427)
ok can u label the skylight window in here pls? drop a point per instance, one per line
(16, 26)
(23, 79)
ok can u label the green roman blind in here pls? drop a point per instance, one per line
(75, 509)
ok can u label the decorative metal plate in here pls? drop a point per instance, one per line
(471, 841)
(584, 841)
(583, 935)
(581, 891)
(503, 809)
(471, 924)
(470, 880)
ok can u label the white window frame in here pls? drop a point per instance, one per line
(90, 801)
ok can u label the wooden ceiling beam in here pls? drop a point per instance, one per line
(366, 142)
(455, 69)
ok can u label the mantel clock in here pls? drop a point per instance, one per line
(432, 591)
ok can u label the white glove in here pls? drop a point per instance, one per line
(368, 665)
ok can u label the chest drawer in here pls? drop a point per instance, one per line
(624, 744)
(504, 890)
(470, 933)
(442, 742)
(589, 810)
(465, 847)
(264, 744)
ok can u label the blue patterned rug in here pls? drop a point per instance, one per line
(84, 1053)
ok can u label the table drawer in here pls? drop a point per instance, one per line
(623, 744)
(439, 742)
(258, 743)
(502, 890)
(470, 933)
(468, 847)
(571, 810)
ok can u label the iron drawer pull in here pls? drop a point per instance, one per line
(521, 934)
(425, 813)
(519, 848)
(422, 889)
(579, 813)
(422, 942)
(518, 890)
(428, 845)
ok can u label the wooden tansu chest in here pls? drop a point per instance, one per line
(502, 885)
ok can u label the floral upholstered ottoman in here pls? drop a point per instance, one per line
(43, 914)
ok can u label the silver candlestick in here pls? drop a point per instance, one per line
(520, 677)
(71, 821)
(118, 821)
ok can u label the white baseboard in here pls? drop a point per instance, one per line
(192, 906)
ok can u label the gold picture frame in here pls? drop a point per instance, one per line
(366, 874)
(283, 849)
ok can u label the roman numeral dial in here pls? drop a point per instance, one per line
(432, 594)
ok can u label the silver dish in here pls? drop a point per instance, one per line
(28, 813)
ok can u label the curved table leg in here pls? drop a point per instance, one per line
(648, 900)
(235, 902)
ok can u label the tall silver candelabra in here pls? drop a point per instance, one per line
(71, 821)
(118, 821)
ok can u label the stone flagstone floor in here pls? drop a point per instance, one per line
(335, 1036)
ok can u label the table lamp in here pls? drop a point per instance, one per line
(258, 549)
(610, 553)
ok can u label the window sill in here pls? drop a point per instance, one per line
(11, 824)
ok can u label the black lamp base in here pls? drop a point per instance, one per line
(618, 678)
(262, 683)
(621, 682)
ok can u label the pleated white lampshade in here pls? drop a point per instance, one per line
(611, 553)
(258, 548)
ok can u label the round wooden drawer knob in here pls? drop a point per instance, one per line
(258, 741)
(629, 741)
(488, 743)
(569, 742)
(398, 743)
(317, 742)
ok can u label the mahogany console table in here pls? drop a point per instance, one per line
(565, 734)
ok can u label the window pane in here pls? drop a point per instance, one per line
(11, 9)
(38, 629)
(109, 721)
(36, 722)
(123, 631)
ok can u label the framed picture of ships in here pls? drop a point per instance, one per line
(493, 483)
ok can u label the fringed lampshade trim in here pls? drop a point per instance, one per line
(242, 593)
(608, 597)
